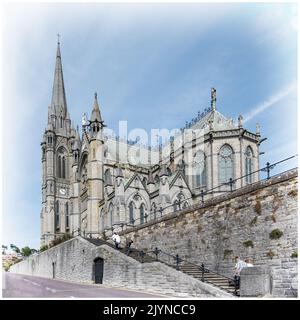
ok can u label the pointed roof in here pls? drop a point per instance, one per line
(96, 116)
(58, 92)
(77, 141)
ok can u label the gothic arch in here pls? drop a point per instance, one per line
(249, 157)
(199, 169)
(61, 162)
(180, 201)
(226, 163)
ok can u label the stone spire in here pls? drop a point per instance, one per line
(58, 93)
(96, 116)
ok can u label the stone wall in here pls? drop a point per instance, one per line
(74, 261)
(239, 223)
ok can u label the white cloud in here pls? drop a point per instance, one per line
(271, 101)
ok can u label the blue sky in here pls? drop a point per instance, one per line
(151, 64)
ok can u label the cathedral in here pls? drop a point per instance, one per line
(94, 182)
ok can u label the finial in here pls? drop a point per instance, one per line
(95, 95)
(240, 120)
(213, 98)
(77, 128)
(258, 129)
(58, 36)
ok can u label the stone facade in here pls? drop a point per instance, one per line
(73, 260)
(94, 183)
(257, 221)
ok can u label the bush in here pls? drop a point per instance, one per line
(248, 244)
(63, 238)
(294, 254)
(227, 253)
(275, 234)
(44, 248)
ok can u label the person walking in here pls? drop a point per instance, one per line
(128, 245)
(116, 239)
(239, 266)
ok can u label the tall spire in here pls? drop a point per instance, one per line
(58, 92)
(96, 115)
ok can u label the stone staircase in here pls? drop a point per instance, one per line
(190, 269)
(215, 279)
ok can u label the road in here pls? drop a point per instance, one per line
(24, 286)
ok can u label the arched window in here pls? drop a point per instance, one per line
(107, 177)
(131, 213)
(67, 216)
(142, 213)
(61, 163)
(249, 165)
(226, 164)
(153, 211)
(101, 220)
(59, 166)
(199, 169)
(64, 167)
(111, 215)
(57, 222)
(156, 181)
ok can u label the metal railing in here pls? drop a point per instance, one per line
(176, 262)
(159, 213)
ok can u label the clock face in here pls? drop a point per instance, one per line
(62, 191)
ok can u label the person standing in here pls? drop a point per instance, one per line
(128, 245)
(116, 239)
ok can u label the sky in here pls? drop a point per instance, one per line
(152, 65)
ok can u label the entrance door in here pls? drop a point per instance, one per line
(53, 270)
(98, 263)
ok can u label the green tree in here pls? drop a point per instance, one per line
(15, 248)
(26, 251)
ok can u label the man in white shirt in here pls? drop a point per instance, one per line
(239, 266)
(116, 239)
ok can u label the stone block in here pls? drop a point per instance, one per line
(255, 281)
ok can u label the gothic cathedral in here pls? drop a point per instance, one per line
(92, 183)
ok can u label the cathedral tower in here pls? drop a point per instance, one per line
(56, 161)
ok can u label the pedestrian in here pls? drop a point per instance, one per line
(116, 239)
(128, 245)
(239, 266)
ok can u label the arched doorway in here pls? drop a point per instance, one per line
(98, 268)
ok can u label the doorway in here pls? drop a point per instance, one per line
(98, 267)
(53, 270)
